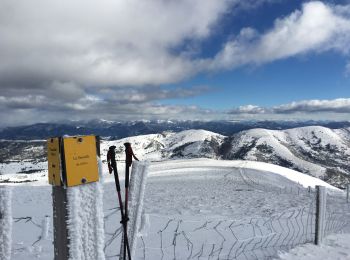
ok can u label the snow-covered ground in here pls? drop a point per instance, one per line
(317, 151)
(197, 208)
(334, 247)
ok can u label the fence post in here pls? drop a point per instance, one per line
(347, 193)
(5, 223)
(137, 190)
(321, 197)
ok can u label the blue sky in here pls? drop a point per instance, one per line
(299, 78)
(302, 77)
(185, 59)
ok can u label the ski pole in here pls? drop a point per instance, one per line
(126, 197)
(123, 217)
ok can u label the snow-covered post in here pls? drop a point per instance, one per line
(321, 198)
(5, 223)
(347, 193)
(85, 222)
(77, 198)
(137, 190)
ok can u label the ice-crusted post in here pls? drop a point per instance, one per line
(78, 221)
(321, 198)
(85, 222)
(77, 198)
(138, 182)
(5, 222)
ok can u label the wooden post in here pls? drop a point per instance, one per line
(321, 197)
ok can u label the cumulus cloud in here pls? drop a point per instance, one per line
(88, 57)
(317, 27)
(248, 109)
(122, 104)
(340, 106)
(92, 57)
(100, 42)
(131, 43)
(89, 109)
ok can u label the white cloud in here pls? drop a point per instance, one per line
(335, 106)
(248, 109)
(88, 57)
(317, 27)
(340, 105)
(100, 42)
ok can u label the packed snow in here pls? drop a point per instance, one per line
(334, 247)
(182, 196)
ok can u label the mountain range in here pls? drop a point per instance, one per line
(315, 150)
(117, 130)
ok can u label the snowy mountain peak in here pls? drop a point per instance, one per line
(314, 150)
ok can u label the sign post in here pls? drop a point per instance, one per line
(77, 197)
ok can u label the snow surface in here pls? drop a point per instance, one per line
(312, 149)
(334, 247)
(189, 192)
(161, 168)
(25, 165)
(276, 139)
(154, 146)
(295, 176)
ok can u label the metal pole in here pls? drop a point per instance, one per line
(60, 217)
(321, 197)
(347, 193)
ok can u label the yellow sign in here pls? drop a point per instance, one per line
(80, 160)
(54, 162)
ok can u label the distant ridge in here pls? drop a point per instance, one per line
(117, 130)
(315, 150)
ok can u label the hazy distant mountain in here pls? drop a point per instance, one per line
(118, 130)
